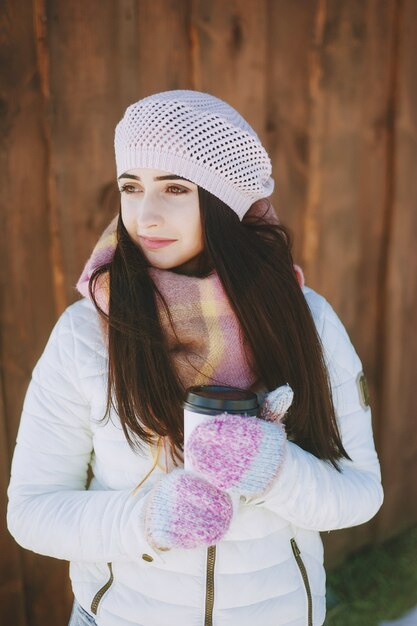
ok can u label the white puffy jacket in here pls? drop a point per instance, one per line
(268, 569)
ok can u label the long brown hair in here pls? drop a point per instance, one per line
(253, 260)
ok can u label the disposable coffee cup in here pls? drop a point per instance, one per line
(204, 401)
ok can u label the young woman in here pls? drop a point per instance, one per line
(193, 283)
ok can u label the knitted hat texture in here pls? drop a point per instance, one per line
(199, 137)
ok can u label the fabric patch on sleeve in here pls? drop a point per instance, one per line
(362, 385)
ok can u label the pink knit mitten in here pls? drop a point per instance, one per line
(185, 511)
(239, 453)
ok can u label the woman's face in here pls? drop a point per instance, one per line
(161, 213)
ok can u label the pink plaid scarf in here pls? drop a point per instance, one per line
(211, 348)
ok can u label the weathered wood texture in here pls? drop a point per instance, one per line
(330, 88)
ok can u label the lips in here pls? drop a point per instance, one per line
(153, 243)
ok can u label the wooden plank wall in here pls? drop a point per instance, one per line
(330, 87)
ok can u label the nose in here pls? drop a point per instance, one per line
(148, 213)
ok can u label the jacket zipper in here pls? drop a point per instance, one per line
(303, 572)
(100, 593)
(211, 559)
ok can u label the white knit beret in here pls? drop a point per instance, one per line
(199, 137)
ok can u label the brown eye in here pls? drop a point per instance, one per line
(177, 190)
(128, 188)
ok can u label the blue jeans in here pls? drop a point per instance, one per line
(79, 617)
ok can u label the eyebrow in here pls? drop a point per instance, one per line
(166, 177)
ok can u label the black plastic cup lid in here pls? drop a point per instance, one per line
(218, 398)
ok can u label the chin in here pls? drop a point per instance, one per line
(190, 266)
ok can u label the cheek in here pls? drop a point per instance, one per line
(196, 233)
(194, 221)
(123, 210)
(127, 214)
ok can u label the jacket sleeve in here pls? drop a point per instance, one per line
(50, 511)
(310, 492)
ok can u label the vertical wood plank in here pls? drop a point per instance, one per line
(399, 406)
(27, 279)
(42, 63)
(163, 34)
(12, 596)
(351, 60)
(27, 303)
(290, 32)
(229, 55)
(344, 142)
(84, 41)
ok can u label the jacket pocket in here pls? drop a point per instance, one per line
(304, 576)
(100, 593)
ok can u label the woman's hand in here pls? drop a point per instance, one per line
(239, 453)
(186, 511)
